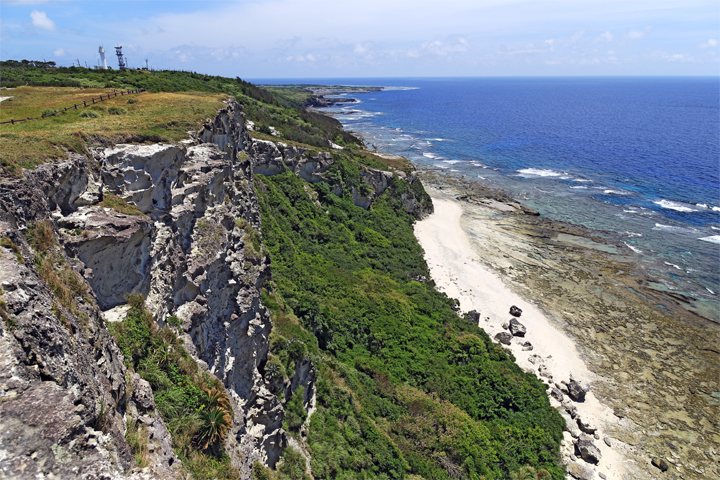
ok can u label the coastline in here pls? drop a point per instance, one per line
(652, 369)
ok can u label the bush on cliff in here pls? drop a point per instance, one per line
(192, 403)
(411, 388)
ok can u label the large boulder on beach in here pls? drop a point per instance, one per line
(504, 338)
(588, 451)
(515, 311)
(473, 316)
(580, 472)
(577, 390)
(517, 328)
(586, 425)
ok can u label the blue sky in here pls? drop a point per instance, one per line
(373, 38)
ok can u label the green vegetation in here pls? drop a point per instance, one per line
(160, 117)
(7, 242)
(65, 284)
(282, 111)
(409, 388)
(89, 114)
(116, 111)
(117, 203)
(192, 403)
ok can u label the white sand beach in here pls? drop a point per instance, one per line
(457, 270)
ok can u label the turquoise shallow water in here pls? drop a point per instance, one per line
(635, 157)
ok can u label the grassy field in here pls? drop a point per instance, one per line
(147, 116)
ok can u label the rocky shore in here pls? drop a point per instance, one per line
(588, 323)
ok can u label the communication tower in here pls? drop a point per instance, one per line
(121, 59)
(102, 57)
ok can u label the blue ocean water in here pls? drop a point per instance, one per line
(636, 157)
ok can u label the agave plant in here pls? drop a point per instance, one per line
(215, 423)
(216, 397)
(216, 418)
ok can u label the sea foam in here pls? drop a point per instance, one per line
(677, 206)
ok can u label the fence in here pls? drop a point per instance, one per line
(92, 101)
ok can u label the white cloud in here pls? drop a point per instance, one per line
(709, 44)
(60, 52)
(638, 34)
(607, 36)
(577, 36)
(674, 57)
(445, 47)
(41, 20)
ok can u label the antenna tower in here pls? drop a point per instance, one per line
(121, 60)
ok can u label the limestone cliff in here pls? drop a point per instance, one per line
(192, 249)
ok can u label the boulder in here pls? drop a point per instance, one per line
(535, 359)
(577, 390)
(588, 451)
(517, 328)
(527, 346)
(579, 472)
(661, 464)
(515, 311)
(504, 338)
(586, 425)
(569, 423)
(556, 394)
(473, 316)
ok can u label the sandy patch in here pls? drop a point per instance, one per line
(457, 271)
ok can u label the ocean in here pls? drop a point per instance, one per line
(637, 158)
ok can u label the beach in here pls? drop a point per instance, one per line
(651, 367)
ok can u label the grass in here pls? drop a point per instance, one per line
(158, 116)
(65, 283)
(110, 200)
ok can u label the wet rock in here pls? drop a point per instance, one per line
(527, 346)
(577, 390)
(588, 451)
(517, 328)
(661, 464)
(515, 311)
(504, 337)
(580, 472)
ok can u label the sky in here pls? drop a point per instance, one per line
(373, 38)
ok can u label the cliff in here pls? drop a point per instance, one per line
(180, 225)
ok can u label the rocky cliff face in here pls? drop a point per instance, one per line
(192, 249)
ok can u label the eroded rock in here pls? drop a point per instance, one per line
(517, 328)
(504, 337)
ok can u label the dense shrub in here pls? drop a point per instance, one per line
(192, 403)
(414, 389)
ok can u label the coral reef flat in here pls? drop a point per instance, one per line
(652, 365)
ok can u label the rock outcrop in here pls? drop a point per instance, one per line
(190, 243)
